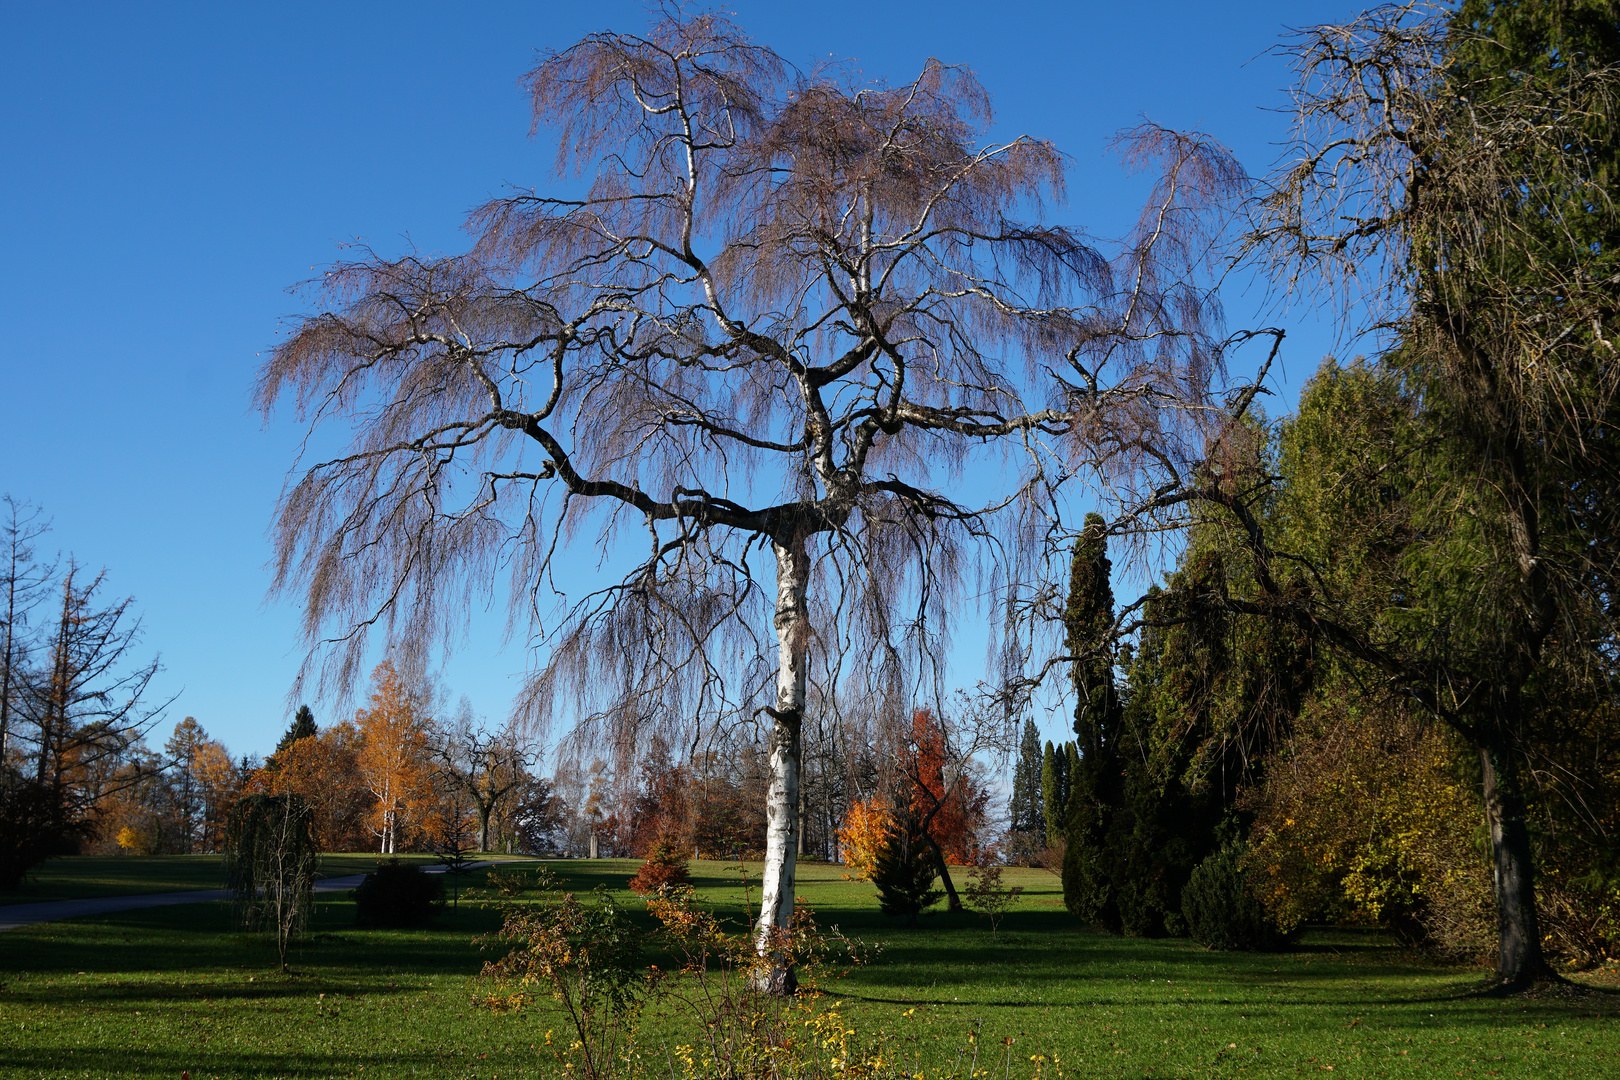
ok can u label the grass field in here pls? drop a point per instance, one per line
(81, 876)
(157, 992)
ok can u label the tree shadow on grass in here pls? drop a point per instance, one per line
(197, 951)
(236, 1063)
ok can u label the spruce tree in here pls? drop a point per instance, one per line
(303, 727)
(1026, 811)
(904, 871)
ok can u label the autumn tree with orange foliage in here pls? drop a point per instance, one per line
(325, 769)
(935, 783)
(392, 758)
(220, 781)
(944, 791)
(945, 797)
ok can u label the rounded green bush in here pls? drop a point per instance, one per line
(1221, 912)
(398, 894)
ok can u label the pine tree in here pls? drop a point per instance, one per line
(303, 727)
(1026, 811)
(905, 871)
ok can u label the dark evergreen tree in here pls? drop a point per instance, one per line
(1054, 790)
(1158, 784)
(302, 727)
(1096, 787)
(1026, 812)
(904, 871)
(1088, 622)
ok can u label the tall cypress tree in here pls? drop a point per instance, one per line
(1026, 811)
(1054, 790)
(1096, 775)
(1088, 623)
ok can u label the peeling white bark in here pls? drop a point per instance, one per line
(782, 796)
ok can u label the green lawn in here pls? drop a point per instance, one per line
(154, 993)
(78, 876)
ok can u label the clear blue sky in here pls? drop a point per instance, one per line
(167, 171)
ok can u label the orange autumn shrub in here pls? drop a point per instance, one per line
(865, 830)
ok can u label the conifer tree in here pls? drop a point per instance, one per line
(1054, 790)
(1026, 811)
(1096, 778)
(302, 727)
(1088, 621)
(905, 870)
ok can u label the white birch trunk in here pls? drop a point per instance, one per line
(782, 796)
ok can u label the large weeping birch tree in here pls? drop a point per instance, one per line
(774, 324)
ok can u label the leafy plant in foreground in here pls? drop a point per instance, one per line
(748, 1030)
(585, 957)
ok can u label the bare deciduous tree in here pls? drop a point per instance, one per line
(87, 708)
(23, 579)
(486, 766)
(785, 310)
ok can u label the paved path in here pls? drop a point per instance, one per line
(15, 915)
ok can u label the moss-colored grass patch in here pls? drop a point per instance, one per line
(156, 992)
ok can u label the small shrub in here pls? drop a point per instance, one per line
(987, 895)
(398, 894)
(1220, 910)
(750, 1026)
(665, 867)
(587, 958)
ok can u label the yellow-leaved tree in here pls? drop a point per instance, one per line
(393, 755)
(866, 828)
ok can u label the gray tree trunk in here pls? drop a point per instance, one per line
(782, 795)
(1519, 959)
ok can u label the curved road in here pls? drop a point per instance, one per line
(15, 915)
